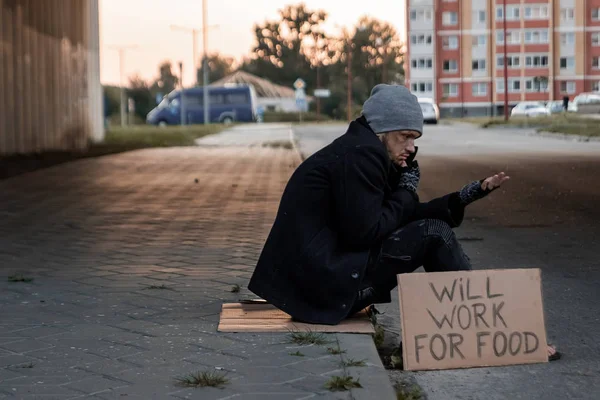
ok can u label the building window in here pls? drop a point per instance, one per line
(537, 61)
(536, 12)
(596, 62)
(595, 39)
(567, 87)
(514, 37)
(567, 62)
(450, 89)
(449, 18)
(420, 15)
(514, 85)
(567, 14)
(450, 66)
(479, 16)
(479, 89)
(596, 14)
(513, 12)
(536, 36)
(450, 42)
(596, 86)
(422, 87)
(536, 85)
(420, 39)
(422, 63)
(567, 38)
(478, 65)
(512, 61)
(479, 40)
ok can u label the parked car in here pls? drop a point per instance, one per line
(227, 104)
(529, 109)
(431, 112)
(555, 107)
(590, 98)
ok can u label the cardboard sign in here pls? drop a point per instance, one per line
(472, 319)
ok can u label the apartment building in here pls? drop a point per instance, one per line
(456, 52)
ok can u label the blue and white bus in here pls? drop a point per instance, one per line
(227, 104)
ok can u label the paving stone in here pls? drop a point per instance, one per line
(96, 233)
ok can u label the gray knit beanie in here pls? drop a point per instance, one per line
(393, 108)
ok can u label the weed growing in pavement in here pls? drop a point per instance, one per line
(235, 288)
(202, 379)
(337, 350)
(342, 383)
(403, 393)
(20, 278)
(159, 287)
(297, 354)
(351, 362)
(308, 337)
(28, 365)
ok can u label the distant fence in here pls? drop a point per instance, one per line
(50, 92)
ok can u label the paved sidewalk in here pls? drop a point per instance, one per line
(131, 259)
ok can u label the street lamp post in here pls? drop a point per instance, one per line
(123, 103)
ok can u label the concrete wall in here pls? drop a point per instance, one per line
(50, 92)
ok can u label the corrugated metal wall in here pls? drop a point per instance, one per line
(50, 92)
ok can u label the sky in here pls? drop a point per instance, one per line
(146, 25)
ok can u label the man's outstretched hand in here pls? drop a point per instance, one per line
(494, 182)
(479, 189)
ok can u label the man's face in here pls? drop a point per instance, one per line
(399, 144)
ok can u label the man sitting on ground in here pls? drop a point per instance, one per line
(350, 218)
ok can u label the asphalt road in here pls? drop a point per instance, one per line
(548, 217)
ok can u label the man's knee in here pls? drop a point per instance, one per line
(438, 228)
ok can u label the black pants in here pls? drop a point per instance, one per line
(430, 243)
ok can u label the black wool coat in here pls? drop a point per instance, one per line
(339, 203)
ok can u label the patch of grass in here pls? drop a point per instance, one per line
(568, 124)
(144, 136)
(235, 288)
(413, 393)
(202, 379)
(158, 287)
(277, 144)
(335, 350)
(342, 383)
(20, 278)
(297, 354)
(117, 140)
(308, 337)
(351, 362)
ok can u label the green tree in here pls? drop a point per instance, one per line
(283, 50)
(139, 91)
(166, 81)
(218, 67)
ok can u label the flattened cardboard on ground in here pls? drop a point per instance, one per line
(239, 317)
(472, 319)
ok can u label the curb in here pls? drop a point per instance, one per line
(294, 145)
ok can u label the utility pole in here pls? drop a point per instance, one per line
(123, 102)
(205, 62)
(182, 119)
(194, 32)
(505, 65)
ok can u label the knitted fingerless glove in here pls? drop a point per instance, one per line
(472, 192)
